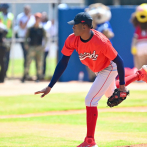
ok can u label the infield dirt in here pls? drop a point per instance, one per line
(15, 87)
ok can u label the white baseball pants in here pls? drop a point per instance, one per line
(103, 84)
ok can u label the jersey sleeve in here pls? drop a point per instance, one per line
(69, 46)
(109, 51)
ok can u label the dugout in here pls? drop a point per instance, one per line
(123, 30)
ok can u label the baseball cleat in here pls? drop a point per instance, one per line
(142, 73)
(88, 142)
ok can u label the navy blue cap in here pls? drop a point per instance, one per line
(5, 5)
(82, 17)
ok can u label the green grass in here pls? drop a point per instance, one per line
(65, 130)
(113, 128)
(33, 103)
(16, 67)
(25, 104)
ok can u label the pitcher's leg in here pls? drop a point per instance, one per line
(99, 87)
(141, 74)
(97, 90)
(91, 117)
(111, 89)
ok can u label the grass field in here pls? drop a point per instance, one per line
(16, 67)
(60, 131)
(113, 128)
(25, 104)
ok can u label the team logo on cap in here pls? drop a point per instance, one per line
(85, 55)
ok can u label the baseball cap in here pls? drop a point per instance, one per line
(82, 17)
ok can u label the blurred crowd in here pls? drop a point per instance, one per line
(35, 33)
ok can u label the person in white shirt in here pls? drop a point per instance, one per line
(24, 20)
(51, 30)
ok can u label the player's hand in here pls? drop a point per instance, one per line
(45, 91)
(117, 97)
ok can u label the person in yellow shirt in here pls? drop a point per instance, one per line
(7, 19)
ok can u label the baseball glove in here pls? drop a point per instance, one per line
(116, 98)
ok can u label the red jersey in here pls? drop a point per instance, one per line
(96, 53)
(141, 34)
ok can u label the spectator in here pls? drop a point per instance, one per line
(3, 32)
(139, 41)
(46, 25)
(50, 29)
(24, 21)
(7, 18)
(33, 43)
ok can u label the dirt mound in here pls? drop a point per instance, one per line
(128, 109)
(29, 87)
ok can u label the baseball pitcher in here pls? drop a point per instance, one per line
(96, 52)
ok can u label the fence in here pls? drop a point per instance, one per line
(122, 28)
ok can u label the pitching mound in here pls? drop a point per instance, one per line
(138, 145)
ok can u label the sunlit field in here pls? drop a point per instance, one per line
(113, 128)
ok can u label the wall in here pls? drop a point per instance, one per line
(122, 28)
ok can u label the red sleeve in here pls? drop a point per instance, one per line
(109, 51)
(69, 45)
